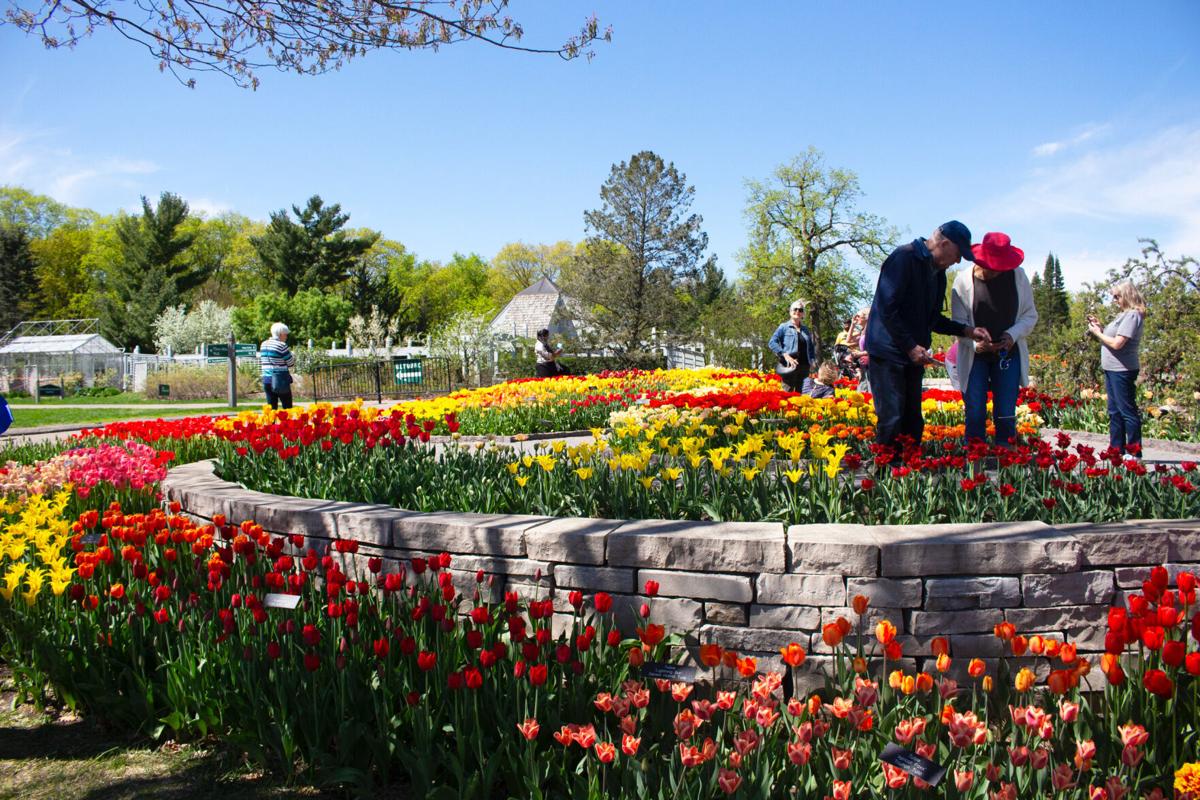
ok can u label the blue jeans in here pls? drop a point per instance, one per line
(274, 398)
(1124, 419)
(896, 392)
(1003, 378)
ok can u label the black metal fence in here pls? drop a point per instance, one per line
(397, 377)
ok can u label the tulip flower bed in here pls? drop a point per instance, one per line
(703, 462)
(385, 671)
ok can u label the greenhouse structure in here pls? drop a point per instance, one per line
(59, 352)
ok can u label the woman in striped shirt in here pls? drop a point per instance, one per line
(276, 358)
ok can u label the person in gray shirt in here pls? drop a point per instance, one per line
(1119, 343)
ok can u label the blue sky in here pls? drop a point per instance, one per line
(1074, 127)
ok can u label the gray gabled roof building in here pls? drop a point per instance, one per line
(542, 305)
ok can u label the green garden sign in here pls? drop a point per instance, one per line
(408, 370)
(241, 349)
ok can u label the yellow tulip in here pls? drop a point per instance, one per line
(521, 480)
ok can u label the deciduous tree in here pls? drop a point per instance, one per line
(302, 36)
(804, 220)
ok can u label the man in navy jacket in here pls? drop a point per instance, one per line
(907, 310)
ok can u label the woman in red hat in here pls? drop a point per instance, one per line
(994, 294)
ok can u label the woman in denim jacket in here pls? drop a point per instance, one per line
(796, 348)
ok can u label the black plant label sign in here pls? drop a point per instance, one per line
(672, 672)
(913, 764)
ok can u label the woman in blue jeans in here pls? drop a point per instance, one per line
(1119, 360)
(994, 294)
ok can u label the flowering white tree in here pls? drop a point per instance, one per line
(372, 331)
(183, 331)
(468, 341)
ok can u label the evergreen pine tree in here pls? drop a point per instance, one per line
(1060, 301)
(18, 284)
(154, 272)
(313, 252)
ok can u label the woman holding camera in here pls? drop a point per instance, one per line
(994, 294)
(1119, 360)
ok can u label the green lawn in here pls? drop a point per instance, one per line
(124, 398)
(37, 416)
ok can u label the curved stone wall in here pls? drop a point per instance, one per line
(755, 587)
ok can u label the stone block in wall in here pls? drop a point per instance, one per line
(570, 540)
(458, 532)
(873, 616)
(744, 640)
(965, 646)
(1056, 618)
(910, 645)
(956, 594)
(1117, 543)
(1132, 578)
(1183, 543)
(699, 585)
(595, 579)
(835, 549)
(802, 590)
(676, 614)
(727, 547)
(310, 518)
(725, 613)
(528, 570)
(1087, 639)
(208, 503)
(370, 524)
(947, 623)
(1072, 588)
(887, 592)
(785, 617)
(994, 548)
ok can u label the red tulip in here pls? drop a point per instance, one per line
(1157, 682)
(538, 674)
(1173, 652)
(426, 660)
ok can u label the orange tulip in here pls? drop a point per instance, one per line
(940, 645)
(1005, 630)
(831, 634)
(1037, 644)
(943, 662)
(1067, 653)
(746, 667)
(843, 625)
(895, 678)
(710, 655)
(885, 632)
(1025, 680)
(976, 667)
(924, 682)
(860, 604)
(1052, 647)
(1059, 681)
(636, 657)
(793, 654)
(729, 658)
(987, 683)
(908, 684)
(1019, 645)
(814, 705)
(860, 665)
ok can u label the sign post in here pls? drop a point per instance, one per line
(232, 387)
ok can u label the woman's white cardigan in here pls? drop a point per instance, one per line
(962, 309)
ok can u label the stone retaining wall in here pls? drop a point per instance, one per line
(755, 587)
